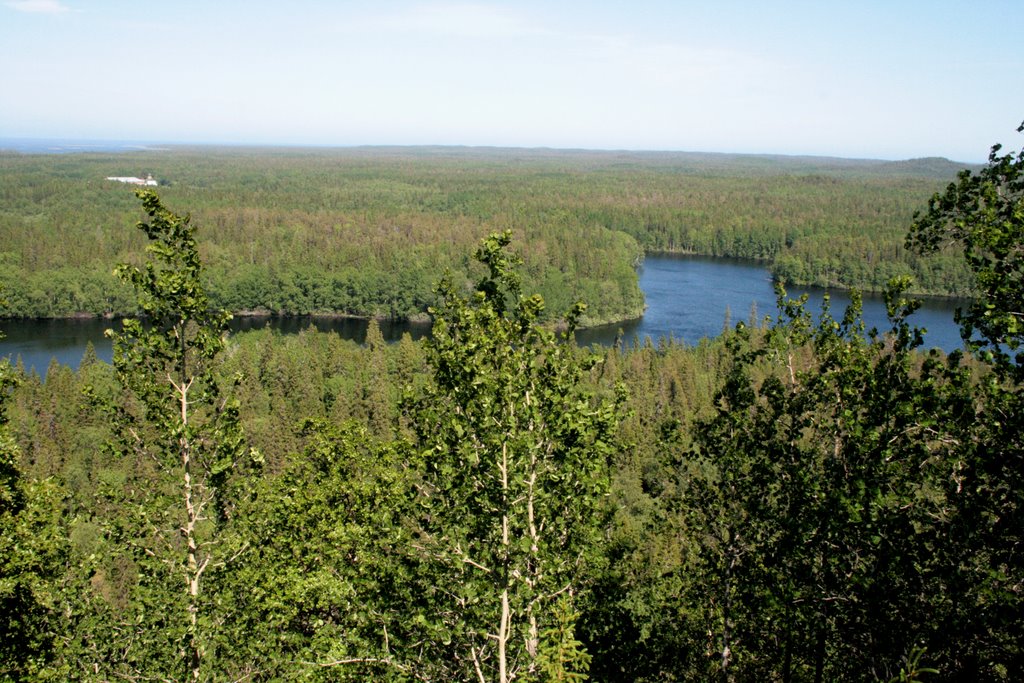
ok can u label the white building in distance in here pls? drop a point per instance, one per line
(148, 180)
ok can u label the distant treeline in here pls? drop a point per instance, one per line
(787, 502)
(367, 231)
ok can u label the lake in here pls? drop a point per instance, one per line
(38, 342)
(688, 296)
(687, 300)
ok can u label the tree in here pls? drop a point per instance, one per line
(175, 417)
(515, 455)
(32, 551)
(815, 505)
(983, 214)
(322, 593)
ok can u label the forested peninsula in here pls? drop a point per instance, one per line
(367, 231)
(794, 500)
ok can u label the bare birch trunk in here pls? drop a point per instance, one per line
(503, 626)
(193, 570)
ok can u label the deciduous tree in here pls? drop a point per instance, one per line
(174, 416)
(516, 469)
(983, 214)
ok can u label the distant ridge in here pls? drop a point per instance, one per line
(935, 167)
(731, 163)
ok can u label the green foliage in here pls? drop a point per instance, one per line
(791, 501)
(179, 334)
(911, 531)
(366, 232)
(322, 593)
(841, 489)
(515, 457)
(912, 671)
(983, 215)
(33, 551)
(560, 657)
(31, 554)
(812, 498)
(171, 414)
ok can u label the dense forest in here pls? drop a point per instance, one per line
(368, 231)
(789, 502)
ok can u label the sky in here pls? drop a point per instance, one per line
(892, 79)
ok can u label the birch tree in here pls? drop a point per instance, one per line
(515, 457)
(175, 418)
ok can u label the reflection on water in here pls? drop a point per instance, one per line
(688, 298)
(38, 342)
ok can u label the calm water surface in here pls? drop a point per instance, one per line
(687, 299)
(40, 342)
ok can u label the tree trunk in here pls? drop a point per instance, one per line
(819, 654)
(503, 626)
(726, 661)
(192, 654)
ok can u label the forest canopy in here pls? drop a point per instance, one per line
(793, 501)
(368, 231)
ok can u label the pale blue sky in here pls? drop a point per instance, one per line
(884, 79)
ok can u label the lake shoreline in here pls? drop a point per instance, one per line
(423, 318)
(766, 264)
(688, 298)
(417, 319)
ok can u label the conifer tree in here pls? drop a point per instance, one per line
(31, 553)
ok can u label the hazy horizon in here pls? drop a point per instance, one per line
(71, 145)
(879, 80)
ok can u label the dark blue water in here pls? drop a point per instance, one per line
(39, 342)
(688, 299)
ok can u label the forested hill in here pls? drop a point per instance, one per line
(791, 501)
(367, 231)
